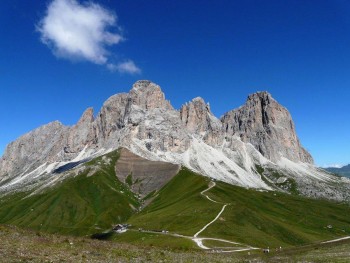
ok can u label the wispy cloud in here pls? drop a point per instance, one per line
(334, 165)
(125, 67)
(78, 31)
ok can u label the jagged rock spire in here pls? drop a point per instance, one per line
(198, 119)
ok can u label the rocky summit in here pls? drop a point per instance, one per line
(261, 133)
(267, 125)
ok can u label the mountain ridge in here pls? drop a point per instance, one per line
(342, 171)
(261, 132)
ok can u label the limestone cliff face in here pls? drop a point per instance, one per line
(43, 144)
(80, 135)
(198, 119)
(110, 119)
(268, 126)
(142, 114)
(148, 96)
(144, 118)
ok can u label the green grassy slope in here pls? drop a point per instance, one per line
(18, 245)
(178, 206)
(94, 200)
(255, 218)
(270, 218)
(154, 240)
(78, 205)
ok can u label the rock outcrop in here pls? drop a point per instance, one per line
(268, 126)
(199, 120)
(80, 135)
(148, 96)
(144, 121)
(142, 114)
(29, 151)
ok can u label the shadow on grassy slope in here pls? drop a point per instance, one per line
(85, 205)
(79, 205)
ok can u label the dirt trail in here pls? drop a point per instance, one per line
(216, 218)
(238, 247)
(335, 240)
(199, 240)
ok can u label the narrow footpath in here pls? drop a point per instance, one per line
(236, 247)
(199, 240)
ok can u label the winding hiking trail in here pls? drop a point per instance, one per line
(236, 247)
(211, 185)
(216, 218)
(336, 240)
(199, 240)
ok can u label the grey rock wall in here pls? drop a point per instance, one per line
(144, 116)
(268, 126)
(199, 120)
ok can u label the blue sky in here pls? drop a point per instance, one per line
(299, 51)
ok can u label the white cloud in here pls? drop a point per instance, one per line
(78, 31)
(124, 67)
(334, 165)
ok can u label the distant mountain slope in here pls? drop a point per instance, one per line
(343, 171)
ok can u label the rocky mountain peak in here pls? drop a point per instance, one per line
(198, 119)
(145, 122)
(141, 85)
(148, 95)
(199, 100)
(32, 149)
(268, 126)
(87, 116)
(263, 95)
(79, 135)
